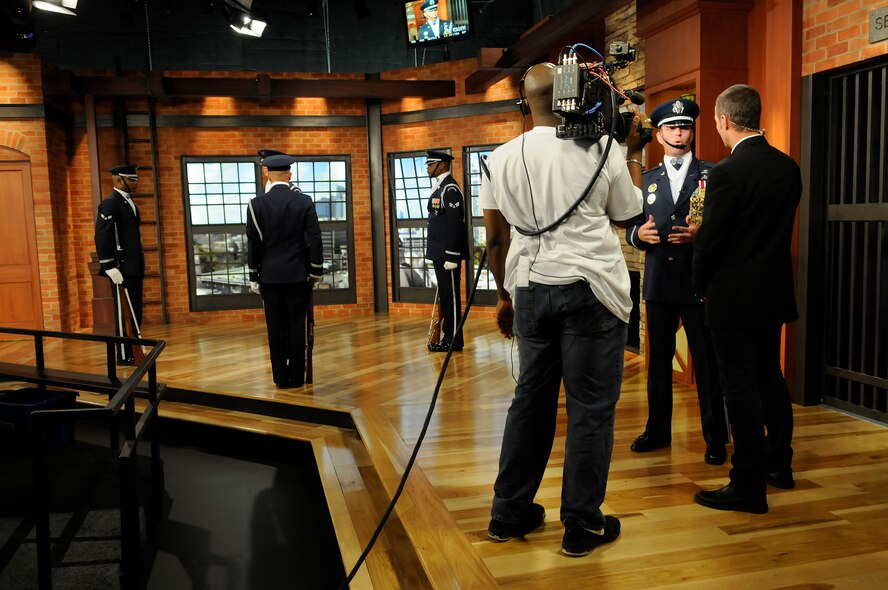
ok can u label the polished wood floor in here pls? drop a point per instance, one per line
(830, 532)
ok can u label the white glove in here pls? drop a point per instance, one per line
(254, 287)
(451, 265)
(115, 276)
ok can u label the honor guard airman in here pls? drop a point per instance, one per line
(673, 192)
(119, 247)
(447, 245)
(285, 258)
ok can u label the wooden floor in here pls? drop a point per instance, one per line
(830, 532)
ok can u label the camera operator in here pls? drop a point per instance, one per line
(667, 239)
(572, 304)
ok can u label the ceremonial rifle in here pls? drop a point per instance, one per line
(309, 334)
(129, 325)
(435, 322)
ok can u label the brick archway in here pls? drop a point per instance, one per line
(13, 146)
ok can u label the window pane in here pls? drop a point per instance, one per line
(322, 171)
(234, 214)
(414, 269)
(408, 170)
(194, 172)
(215, 215)
(198, 215)
(213, 172)
(304, 172)
(246, 172)
(220, 264)
(336, 260)
(229, 172)
(480, 237)
(337, 172)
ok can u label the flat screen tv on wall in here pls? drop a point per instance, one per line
(435, 22)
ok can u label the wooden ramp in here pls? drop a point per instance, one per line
(375, 374)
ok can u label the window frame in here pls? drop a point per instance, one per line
(223, 302)
(399, 293)
(483, 296)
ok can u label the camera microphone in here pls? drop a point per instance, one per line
(634, 97)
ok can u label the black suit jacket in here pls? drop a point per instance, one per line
(742, 252)
(116, 214)
(667, 267)
(446, 238)
(283, 237)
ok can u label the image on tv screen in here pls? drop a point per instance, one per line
(436, 21)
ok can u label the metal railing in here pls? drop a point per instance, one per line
(120, 414)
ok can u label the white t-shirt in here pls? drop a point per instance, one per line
(584, 247)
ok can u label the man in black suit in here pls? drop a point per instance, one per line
(667, 238)
(434, 28)
(285, 258)
(743, 265)
(119, 247)
(446, 245)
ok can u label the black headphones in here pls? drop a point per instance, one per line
(522, 99)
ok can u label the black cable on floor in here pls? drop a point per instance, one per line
(422, 433)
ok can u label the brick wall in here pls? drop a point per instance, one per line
(621, 26)
(20, 84)
(836, 33)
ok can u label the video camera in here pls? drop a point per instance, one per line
(585, 96)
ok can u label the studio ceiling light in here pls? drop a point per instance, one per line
(60, 6)
(248, 25)
(244, 19)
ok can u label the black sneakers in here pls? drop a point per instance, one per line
(498, 530)
(579, 541)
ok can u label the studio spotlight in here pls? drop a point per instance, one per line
(61, 6)
(247, 24)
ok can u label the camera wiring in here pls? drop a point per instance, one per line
(422, 432)
(584, 194)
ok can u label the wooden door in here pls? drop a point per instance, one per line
(20, 305)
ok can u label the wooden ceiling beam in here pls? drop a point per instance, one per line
(261, 87)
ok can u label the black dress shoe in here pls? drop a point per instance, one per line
(645, 443)
(443, 347)
(715, 454)
(127, 362)
(727, 498)
(780, 479)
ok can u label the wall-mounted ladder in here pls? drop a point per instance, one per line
(138, 140)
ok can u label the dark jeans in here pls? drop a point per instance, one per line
(757, 399)
(285, 306)
(451, 302)
(563, 332)
(662, 324)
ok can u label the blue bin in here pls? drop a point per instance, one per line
(16, 421)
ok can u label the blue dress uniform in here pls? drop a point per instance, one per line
(283, 248)
(119, 245)
(447, 241)
(669, 293)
